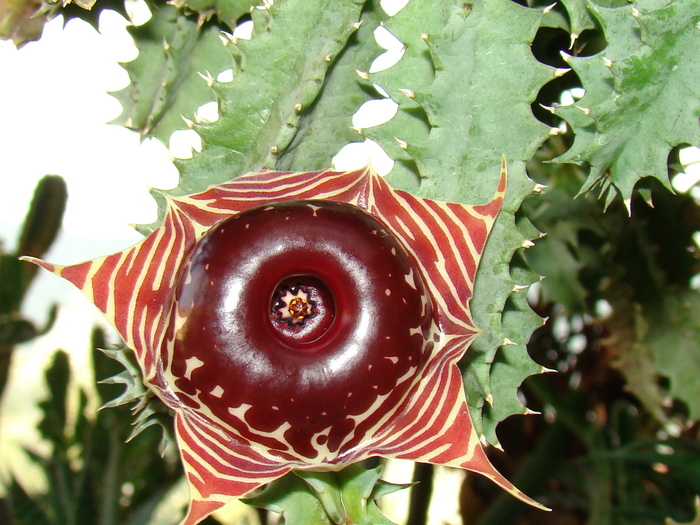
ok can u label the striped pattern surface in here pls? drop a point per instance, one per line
(134, 290)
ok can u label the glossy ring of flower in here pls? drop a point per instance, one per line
(313, 307)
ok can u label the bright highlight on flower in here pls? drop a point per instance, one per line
(302, 321)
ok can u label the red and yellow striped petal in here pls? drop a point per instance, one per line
(135, 290)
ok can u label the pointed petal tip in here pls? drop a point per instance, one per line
(500, 480)
(199, 510)
(527, 499)
(53, 268)
(503, 180)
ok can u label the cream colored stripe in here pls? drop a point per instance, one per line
(141, 277)
(208, 465)
(112, 297)
(432, 285)
(441, 265)
(476, 256)
(417, 426)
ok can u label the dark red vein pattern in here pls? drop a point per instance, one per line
(134, 290)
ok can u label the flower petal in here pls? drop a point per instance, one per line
(135, 290)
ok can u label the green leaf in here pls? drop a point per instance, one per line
(628, 329)
(15, 330)
(43, 221)
(511, 366)
(497, 378)
(275, 80)
(294, 499)
(348, 496)
(166, 82)
(560, 255)
(326, 488)
(227, 11)
(360, 488)
(642, 96)
(130, 376)
(326, 126)
(414, 72)
(558, 261)
(580, 18)
(12, 272)
(464, 86)
(500, 308)
(148, 409)
(674, 338)
(89, 463)
(328, 498)
(670, 471)
(53, 424)
(39, 231)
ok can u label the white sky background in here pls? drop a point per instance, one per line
(55, 107)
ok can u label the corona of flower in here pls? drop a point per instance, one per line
(302, 321)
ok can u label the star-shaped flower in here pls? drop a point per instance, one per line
(376, 283)
(295, 307)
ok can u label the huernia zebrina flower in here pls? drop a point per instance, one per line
(302, 321)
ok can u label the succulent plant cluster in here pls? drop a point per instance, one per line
(272, 350)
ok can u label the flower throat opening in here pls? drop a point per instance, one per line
(302, 309)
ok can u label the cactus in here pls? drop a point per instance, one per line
(261, 109)
(641, 97)
(39, 231)
(165, 84)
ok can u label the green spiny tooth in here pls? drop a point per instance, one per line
(130, 377)
(154, 412)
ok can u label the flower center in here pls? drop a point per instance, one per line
(295, 306)
(302, 309)
(299, 308)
